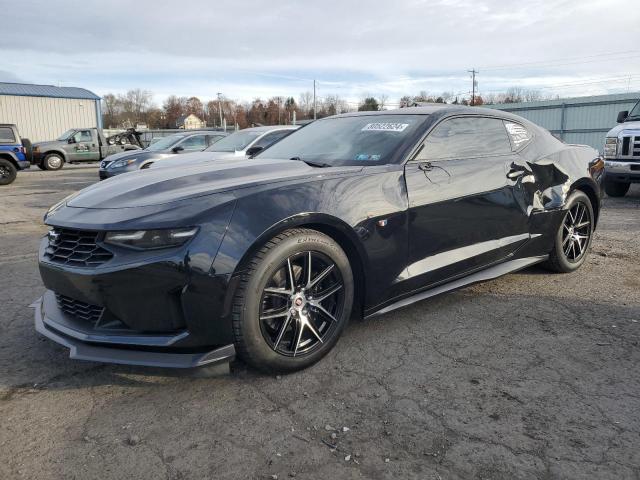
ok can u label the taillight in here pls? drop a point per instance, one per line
(23, 150)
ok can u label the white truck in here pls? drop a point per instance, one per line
(622, 153)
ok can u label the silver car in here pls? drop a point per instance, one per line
(164, 149)
(241, 144)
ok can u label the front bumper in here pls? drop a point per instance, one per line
(130, 349)
(105, 173)
(622, 171)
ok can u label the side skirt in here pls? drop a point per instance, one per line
(481, 276)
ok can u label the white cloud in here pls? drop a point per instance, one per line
(255, 48)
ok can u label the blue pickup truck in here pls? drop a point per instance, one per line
(13, 154)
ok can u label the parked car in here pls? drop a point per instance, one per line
(622, 153)
(359, 213)
(163, 149)
(12, 153)
(241, 144)
(78, 145)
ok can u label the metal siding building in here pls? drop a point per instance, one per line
(44, 112)
(584, 120)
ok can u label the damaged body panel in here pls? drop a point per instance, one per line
(464, 195)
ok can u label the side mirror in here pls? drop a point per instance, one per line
(253, 151)
(622, 116)
(71, 140)
(177, 149)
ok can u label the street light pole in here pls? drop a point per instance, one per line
(220, 106)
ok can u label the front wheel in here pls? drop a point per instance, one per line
(616, 189)
(293, 301)
(53, 161)
(574, 235)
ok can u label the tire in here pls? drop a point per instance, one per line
(53, 161)
(41, 166)
(279, 340)
(28, 148)
(570, 237)
(616, 189)
(8, 172)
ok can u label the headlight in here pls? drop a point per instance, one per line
(61, 203)
(122, 163)
(151, 239)
(610, 147)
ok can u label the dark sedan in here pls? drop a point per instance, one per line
(353, 215)
(165, 148)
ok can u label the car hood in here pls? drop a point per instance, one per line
(197, 157)
(165, 185)
(635, 125)
(49, 144)
(138, 154)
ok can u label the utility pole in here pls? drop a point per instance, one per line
(315, 105)
(473, 85)
(220, 107)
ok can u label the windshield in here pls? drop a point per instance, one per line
(66, 135)
(235, 142)
(165, 143)
(357, 140)
(635, 112)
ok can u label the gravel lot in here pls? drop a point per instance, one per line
(534, 375)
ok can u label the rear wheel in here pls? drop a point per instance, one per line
(616, 189)
(8, 172)
(293, 302)
(573, 238)
(53, 161)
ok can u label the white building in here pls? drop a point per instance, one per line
(44, 112)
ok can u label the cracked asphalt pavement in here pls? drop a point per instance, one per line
(533, 375)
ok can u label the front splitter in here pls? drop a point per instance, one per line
(79, 350)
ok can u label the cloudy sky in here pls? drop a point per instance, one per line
(250, 48)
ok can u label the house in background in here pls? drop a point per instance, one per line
(190, 122)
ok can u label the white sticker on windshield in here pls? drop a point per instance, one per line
(385, 127)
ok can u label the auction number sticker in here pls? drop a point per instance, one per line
(385, 127)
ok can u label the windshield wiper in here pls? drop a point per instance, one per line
(311, 163)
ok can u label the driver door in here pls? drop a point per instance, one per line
(84, 147)
(463, 211)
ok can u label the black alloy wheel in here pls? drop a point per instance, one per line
(293, 301)
(574, 235)
(8, 172)
(301, 304)
(576, 232)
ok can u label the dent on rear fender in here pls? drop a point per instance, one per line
(545, 186)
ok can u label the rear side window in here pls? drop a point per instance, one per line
(466, 137)
(271, 138)
(519, 135)
(6, 135)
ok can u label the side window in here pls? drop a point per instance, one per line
(211, 139)
(519, 135)
(271, 138)
(194, 143)
(82, 136)
(6, 135)
(466, 137)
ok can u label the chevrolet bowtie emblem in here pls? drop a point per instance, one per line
(53, 236)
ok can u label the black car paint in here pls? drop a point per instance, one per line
(375, 212)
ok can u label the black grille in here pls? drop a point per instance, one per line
(78, 309)
(76, 248)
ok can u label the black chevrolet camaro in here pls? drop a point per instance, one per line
(352, 215)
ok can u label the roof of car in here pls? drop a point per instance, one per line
(422, 110)
(267, 128)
